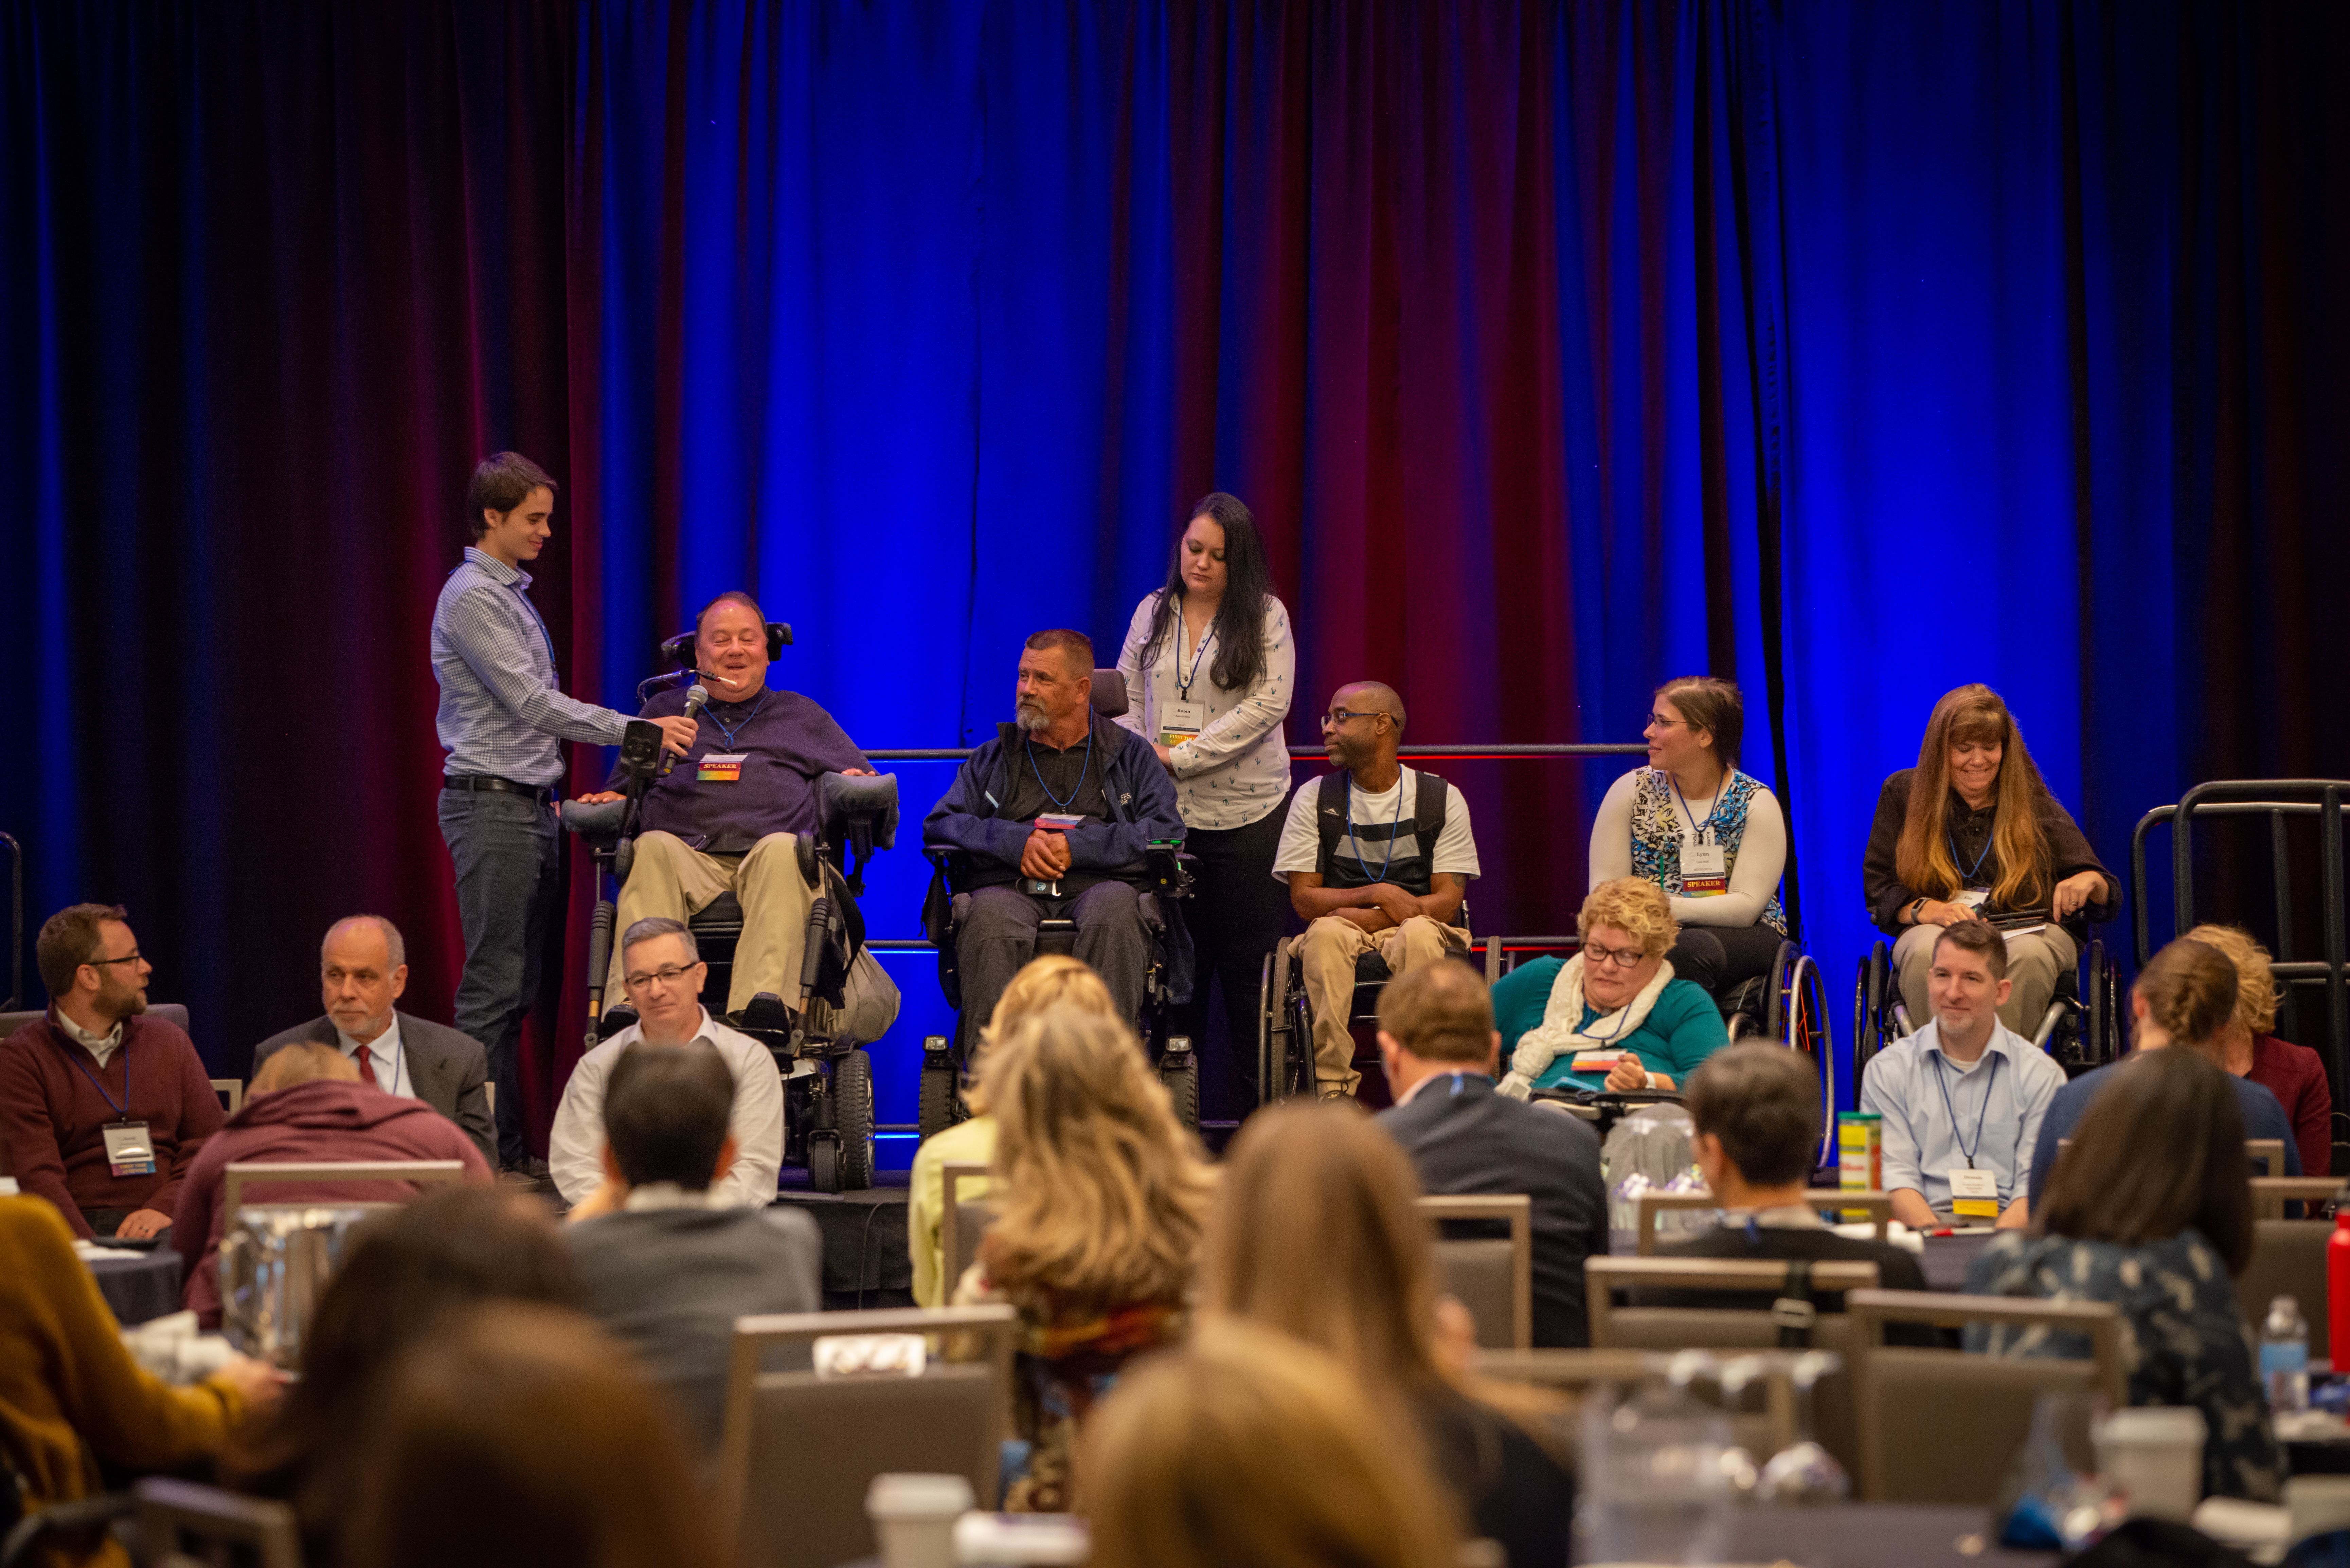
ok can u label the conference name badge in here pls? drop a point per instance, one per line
(1181, 722)
(128, 1150)
(721, 767)
(1705, 870)
(1595, 1060)
(1974, 1194)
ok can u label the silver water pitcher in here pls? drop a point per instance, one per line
(275, 1265)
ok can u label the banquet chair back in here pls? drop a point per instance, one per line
(183, 1525)
(2271, 1194)
(1876, 1208)
(798, 1449)
(1943, 1425)
(962, 1222)
(1492, 1276)
(2289, 1260)
(419, 1173)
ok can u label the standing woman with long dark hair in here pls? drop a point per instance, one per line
(1208, 664)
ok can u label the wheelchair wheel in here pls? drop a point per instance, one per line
(2101, 1016)
(852, 1113)
(824, 1163)
(942, 1101)
(1179, 1074)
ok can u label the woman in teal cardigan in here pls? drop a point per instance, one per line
(1617, 996)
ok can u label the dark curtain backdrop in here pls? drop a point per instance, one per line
(1852, 350)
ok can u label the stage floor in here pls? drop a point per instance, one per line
(865, 1261)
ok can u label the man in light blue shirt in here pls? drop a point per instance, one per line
(1963, 1098)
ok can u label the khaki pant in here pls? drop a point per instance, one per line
(1327, 952)
(2034, 963)
(669, 878)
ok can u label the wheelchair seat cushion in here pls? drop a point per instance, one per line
(722, 917)
(840, 799)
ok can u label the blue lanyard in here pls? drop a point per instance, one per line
(1183, 683)
(1393, 823)
(1967, 877)
(1699, 830)
(1990, 1074)
(719, 724)
(1057, 802)
(73, 1054)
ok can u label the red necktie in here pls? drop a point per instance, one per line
(367, 1068)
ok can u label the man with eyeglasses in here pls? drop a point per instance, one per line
(102, 1108)
(1378, 857)
(663, 973)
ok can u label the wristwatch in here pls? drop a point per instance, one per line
(1916, 905)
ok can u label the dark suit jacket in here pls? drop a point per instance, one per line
(1467, 1139)
(447, 1070)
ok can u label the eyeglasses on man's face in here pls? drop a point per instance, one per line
(131, 957)
(1337, 716)
(664, 977)
(1617, 958)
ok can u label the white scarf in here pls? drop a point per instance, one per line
(1558, 1035)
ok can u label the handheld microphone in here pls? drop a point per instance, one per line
(697, 698)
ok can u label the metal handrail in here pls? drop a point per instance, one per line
(1465, 752)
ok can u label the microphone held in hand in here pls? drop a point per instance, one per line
(697, 698)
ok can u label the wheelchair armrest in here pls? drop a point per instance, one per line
(842, 801)
(596, 819)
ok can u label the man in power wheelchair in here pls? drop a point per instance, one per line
(748, 840)
(1061, 835)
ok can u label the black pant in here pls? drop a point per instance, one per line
(999, 937)
(1236, 914)
(1720, 958)
(509, 899)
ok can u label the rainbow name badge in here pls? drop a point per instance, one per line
(719, 767)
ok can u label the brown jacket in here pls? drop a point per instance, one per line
(53, 1110)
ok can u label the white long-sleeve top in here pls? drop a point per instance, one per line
(1753, 876)
(575, 1148)
(1235, 771)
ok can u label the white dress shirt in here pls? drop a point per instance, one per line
(575, 1152)
(390, 1059)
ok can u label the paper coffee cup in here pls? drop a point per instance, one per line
(914, 1518)
(2155, 1453)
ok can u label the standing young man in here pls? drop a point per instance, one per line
(502, 720)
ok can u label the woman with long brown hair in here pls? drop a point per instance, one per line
(2150, 1210)
(1972, 830)
(1101, 1196)
(1315, 1232)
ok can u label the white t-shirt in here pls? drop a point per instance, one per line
(1301, 842)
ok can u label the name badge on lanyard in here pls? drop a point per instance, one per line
(1181, 722)
(1974, 1194)
(1705, 868)
(128, 1150)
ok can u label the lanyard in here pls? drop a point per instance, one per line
(74, 1054)
(1967, 878)
(1990, 1075)
(1183, 683)
(719, 724)
(1393, 823)
(1058, 803)
(1699, 830)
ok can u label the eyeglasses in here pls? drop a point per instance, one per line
(1620, 958)
(1658, 722)
(131, 957)
(1337, 716)
(665, 976)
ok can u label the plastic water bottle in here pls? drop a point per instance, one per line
(2285, 1356)
(1655, 1485)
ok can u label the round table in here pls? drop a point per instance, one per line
(138, 1285)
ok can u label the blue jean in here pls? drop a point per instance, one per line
(509, 887)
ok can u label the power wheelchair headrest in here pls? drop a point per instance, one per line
(1109, 693)
(679, 650)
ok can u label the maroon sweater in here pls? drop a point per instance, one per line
(53, 1118)
(321, 1120)
(2296, 1077)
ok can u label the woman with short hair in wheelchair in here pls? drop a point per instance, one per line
(2296, 1075)
(1053, 981)
(1315, 1231)
(1100, 1199)
(1711, 838)
(1209, 665)
(1615, 1015)
(1972, 831)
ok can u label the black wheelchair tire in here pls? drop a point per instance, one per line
(2099, 1047)
(941, 1104)
(852, 1113)
(1179, 1073)
(824, 1163)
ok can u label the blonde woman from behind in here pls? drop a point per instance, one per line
(1247, 1449)
(1315, 1232)
(1052, 981)
(1101, 1199)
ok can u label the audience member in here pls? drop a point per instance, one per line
(1100, 1201)
(1756, 1112)
(522, 1438)
(1963, 1098)
(306, 1104)
(405, 1276)
(670, 1271)
(1972, 831)
(1711, 838)
(102, 1108)
(72, 1400)
(362, 972)
(1247, 1449)
(1314, 1232)
(2151, 1210)
(1616, 1006)
(2184, 996)
(1437, 1039)
(2296, 1075)
(1052, 981)
(664, 973)
(1055, 759)
(1405, 906)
